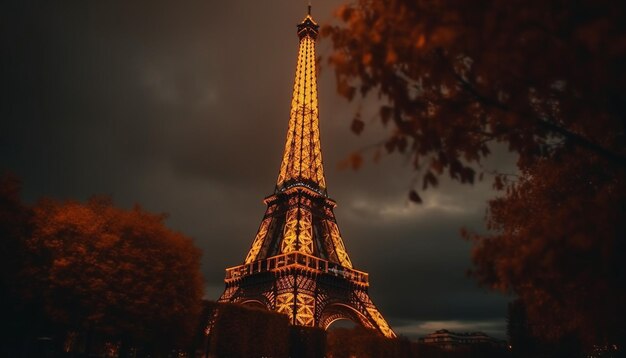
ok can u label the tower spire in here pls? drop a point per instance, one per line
(302, 158)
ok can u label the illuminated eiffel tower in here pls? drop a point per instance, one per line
(298, 264)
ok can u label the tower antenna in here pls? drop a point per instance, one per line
(309, 7)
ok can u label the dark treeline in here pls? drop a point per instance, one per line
(240, 331)
(360, 342)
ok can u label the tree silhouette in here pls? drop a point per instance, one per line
(20, 308)
(544, 78)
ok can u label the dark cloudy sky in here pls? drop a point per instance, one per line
(182, 107)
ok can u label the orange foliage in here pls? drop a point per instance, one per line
(559, 244)
(545, 78)
(455, 76)
(119, 272)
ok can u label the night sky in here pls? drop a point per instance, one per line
(183, 106)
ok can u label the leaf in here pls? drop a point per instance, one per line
(429, 179)
(416, 161)
(385, 114)
(367, 59)
(357, 125)
(498, 183)
(442, 35)
(467, 175)
(390, 145)
(402, 144)
(344, 89)
(421, 40)
(391, 57)
(414, 197)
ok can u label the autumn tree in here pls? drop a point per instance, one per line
(546, 79)
(118, 273)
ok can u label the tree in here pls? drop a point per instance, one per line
(14, 220)
(559, 244)
(544, 78)
(21, 316)
(114, 272)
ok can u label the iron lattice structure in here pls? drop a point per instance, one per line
(298, 264)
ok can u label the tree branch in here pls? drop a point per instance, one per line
(550, 126)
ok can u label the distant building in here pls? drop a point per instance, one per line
(447, 340)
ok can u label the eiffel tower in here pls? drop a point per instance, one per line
(298, 264)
